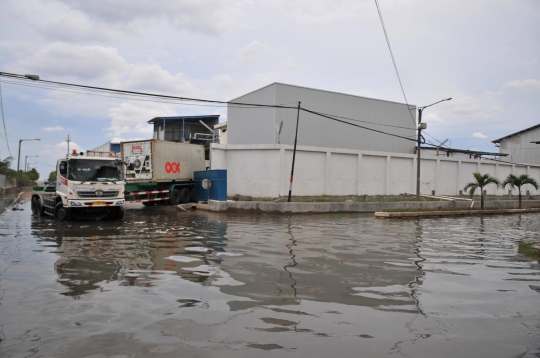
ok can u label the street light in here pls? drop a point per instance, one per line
(25, 161)
(420, 109)
(19, 160)
(31, 165)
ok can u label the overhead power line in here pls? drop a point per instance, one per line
(4, 120)
(356, 125)
(130, 97)
(176, 98)
(393, 60)
(144, 94)
(125, 97)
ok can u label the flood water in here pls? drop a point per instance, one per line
(167, 283)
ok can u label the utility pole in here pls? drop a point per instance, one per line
(420, 127)
(418, 154)
(294, 152)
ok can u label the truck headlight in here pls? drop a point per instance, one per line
(73, 203)
(119, 203)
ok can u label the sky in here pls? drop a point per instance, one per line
(485, 54)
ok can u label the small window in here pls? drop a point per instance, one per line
(62, 168)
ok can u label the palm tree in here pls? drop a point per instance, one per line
(481, 181)
(5, 170)
(519, 181)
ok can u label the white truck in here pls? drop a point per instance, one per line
(86, 186)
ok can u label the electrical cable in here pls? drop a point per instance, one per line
(55, 88)
(139, 94)
(393, 60)
(11, 75)
(4, 120)
(356, 125)
(432, 137)
(120, 97)
(359, 120)
(35, 160)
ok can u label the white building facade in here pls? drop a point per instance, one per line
(522, 146)
(256, 125)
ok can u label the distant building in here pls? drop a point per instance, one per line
(522, 146)
(256, 125)
(222, 127)
(187, 129)
(108, 147)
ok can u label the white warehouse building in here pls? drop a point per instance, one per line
(522, 146)
(256, 125)
(334, 158)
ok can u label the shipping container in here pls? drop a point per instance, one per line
(161, 161)
(159, 171)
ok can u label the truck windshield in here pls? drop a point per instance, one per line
(94, 170)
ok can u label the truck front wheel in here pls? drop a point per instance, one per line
(37, 206)
(175, 197)
(185, 195)
(61, 213)
(116, 213)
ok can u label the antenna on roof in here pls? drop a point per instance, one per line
(438, 146)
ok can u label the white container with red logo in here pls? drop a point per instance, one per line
(161, 161)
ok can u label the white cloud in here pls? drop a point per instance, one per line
(130, 117)
(529, 84)
(432, 118)
(262, 55)
(75, 62)
(209, 16)
(153, 78)
(52, 129)
(51, 153)
(323, 12)
(479, 135)
(482, 106)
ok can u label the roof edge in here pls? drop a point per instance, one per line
(322, 90)
(513, 134)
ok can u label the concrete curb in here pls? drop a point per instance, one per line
(347, 207)
(388, 215)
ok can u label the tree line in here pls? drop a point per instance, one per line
(513, 181)
(28, 178)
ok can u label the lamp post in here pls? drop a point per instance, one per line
(19, 161)
(29, 165)
(26, 159)
(420, 109)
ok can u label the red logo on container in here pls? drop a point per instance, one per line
(136, 149)
(172, 167)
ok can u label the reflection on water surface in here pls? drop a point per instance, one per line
(166, 283)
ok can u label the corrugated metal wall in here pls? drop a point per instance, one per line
(258, 126)
(251, 125)
(521, 149)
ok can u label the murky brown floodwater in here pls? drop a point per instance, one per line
(173, 284)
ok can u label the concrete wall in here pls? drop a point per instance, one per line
(264, 171)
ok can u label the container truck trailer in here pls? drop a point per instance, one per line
(86, 186)
(159, 171)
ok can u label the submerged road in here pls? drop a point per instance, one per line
(167, 283)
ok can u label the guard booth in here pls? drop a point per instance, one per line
(218, 184)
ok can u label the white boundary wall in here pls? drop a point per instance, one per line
(262, 170)
(3, 181)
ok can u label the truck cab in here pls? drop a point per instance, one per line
(85, 186)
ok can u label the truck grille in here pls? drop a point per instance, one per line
(92, 194)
